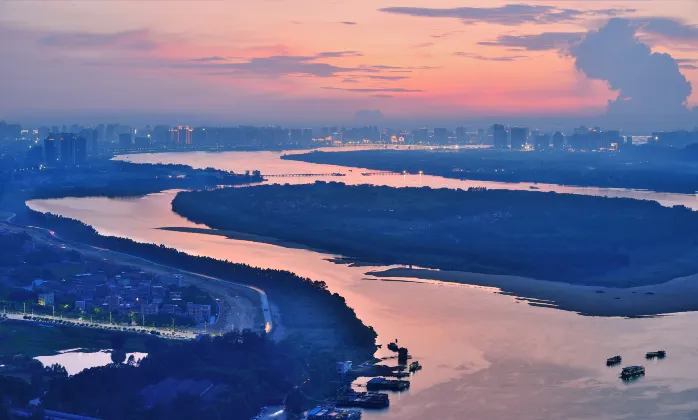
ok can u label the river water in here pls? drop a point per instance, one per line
(485, 355)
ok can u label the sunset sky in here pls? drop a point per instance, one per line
(321, 61)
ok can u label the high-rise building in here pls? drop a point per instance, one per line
(558, 141)
(461, 134)
(609, 138)
(307, 135)
(518, 138)
(67, 145)
(440, 135)
(296, 136)
(142, 142)
(80, 151)
(200, 136)
(161, 134)
(542, 142)
(125, 140)
(180, 135)
(499, 134)
(50, 149)
(91, 137)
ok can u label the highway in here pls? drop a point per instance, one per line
(263, 299)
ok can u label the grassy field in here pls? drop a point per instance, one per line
(33, 340)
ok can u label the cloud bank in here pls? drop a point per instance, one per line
(647, 83)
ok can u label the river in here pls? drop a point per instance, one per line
(485, 355)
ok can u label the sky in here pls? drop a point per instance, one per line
(300, 62)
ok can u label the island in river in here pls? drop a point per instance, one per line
(566, 238)
(642, 167)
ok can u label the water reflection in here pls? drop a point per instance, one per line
(484, 355)
(76, 360)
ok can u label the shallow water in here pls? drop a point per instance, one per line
(75, 360)
(485, 355)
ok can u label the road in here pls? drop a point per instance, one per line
(240, 305)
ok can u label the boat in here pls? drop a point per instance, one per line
(378, 384)
(363, 400)
(415, 366)
(630, 372)
(660, 354)
(393, 347)
(612, 361)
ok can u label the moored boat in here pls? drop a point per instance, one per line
(612, 361)
(632, 372)
(655, 354)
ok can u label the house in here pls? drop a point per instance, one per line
(47, 299)
(149, 309)
(198, 312)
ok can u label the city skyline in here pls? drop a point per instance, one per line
(275, 62)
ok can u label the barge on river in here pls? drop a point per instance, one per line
(631, 372)
(612, 361)
(363, 400)
(655, 354)
(379, 384)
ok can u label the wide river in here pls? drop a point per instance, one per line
(486, 355)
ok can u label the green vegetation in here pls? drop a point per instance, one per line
(31, 339)
(559, 237)
(645, 167)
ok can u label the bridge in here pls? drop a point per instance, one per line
(383, 173)
(300, 175)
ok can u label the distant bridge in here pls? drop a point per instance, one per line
(300, 175)
(384, 173)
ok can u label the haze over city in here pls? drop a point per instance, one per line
(347, 210)
(625, 64)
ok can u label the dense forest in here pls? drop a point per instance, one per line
(559, 237)
(250, 371)
(240, 372)
(643, 167)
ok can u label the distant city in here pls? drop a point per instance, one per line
(71, 145)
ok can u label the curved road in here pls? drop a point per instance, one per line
(264, 301)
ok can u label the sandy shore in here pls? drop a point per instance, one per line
(678, 295)
(243, 237)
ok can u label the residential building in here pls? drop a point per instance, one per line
(499, 134)
(47, 299)
(198, 312)
(149, 309)
(558, 141)
(518, 138)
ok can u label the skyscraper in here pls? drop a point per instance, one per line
(518, 137)
(80, 151)
(91, 138)
(50, 149)
(67, 141)
(499, 134)
(461, 135)
(558, 141)
(180, 135)
(125, 140)
(440, 135)
(542, 142)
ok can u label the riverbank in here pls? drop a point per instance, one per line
(674, 296)
(641, 168)
(242, 236)
(555, 237)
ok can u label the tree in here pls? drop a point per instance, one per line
(118, 356)
(117, 341)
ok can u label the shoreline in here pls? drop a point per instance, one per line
(241, 236)
(674, 296)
